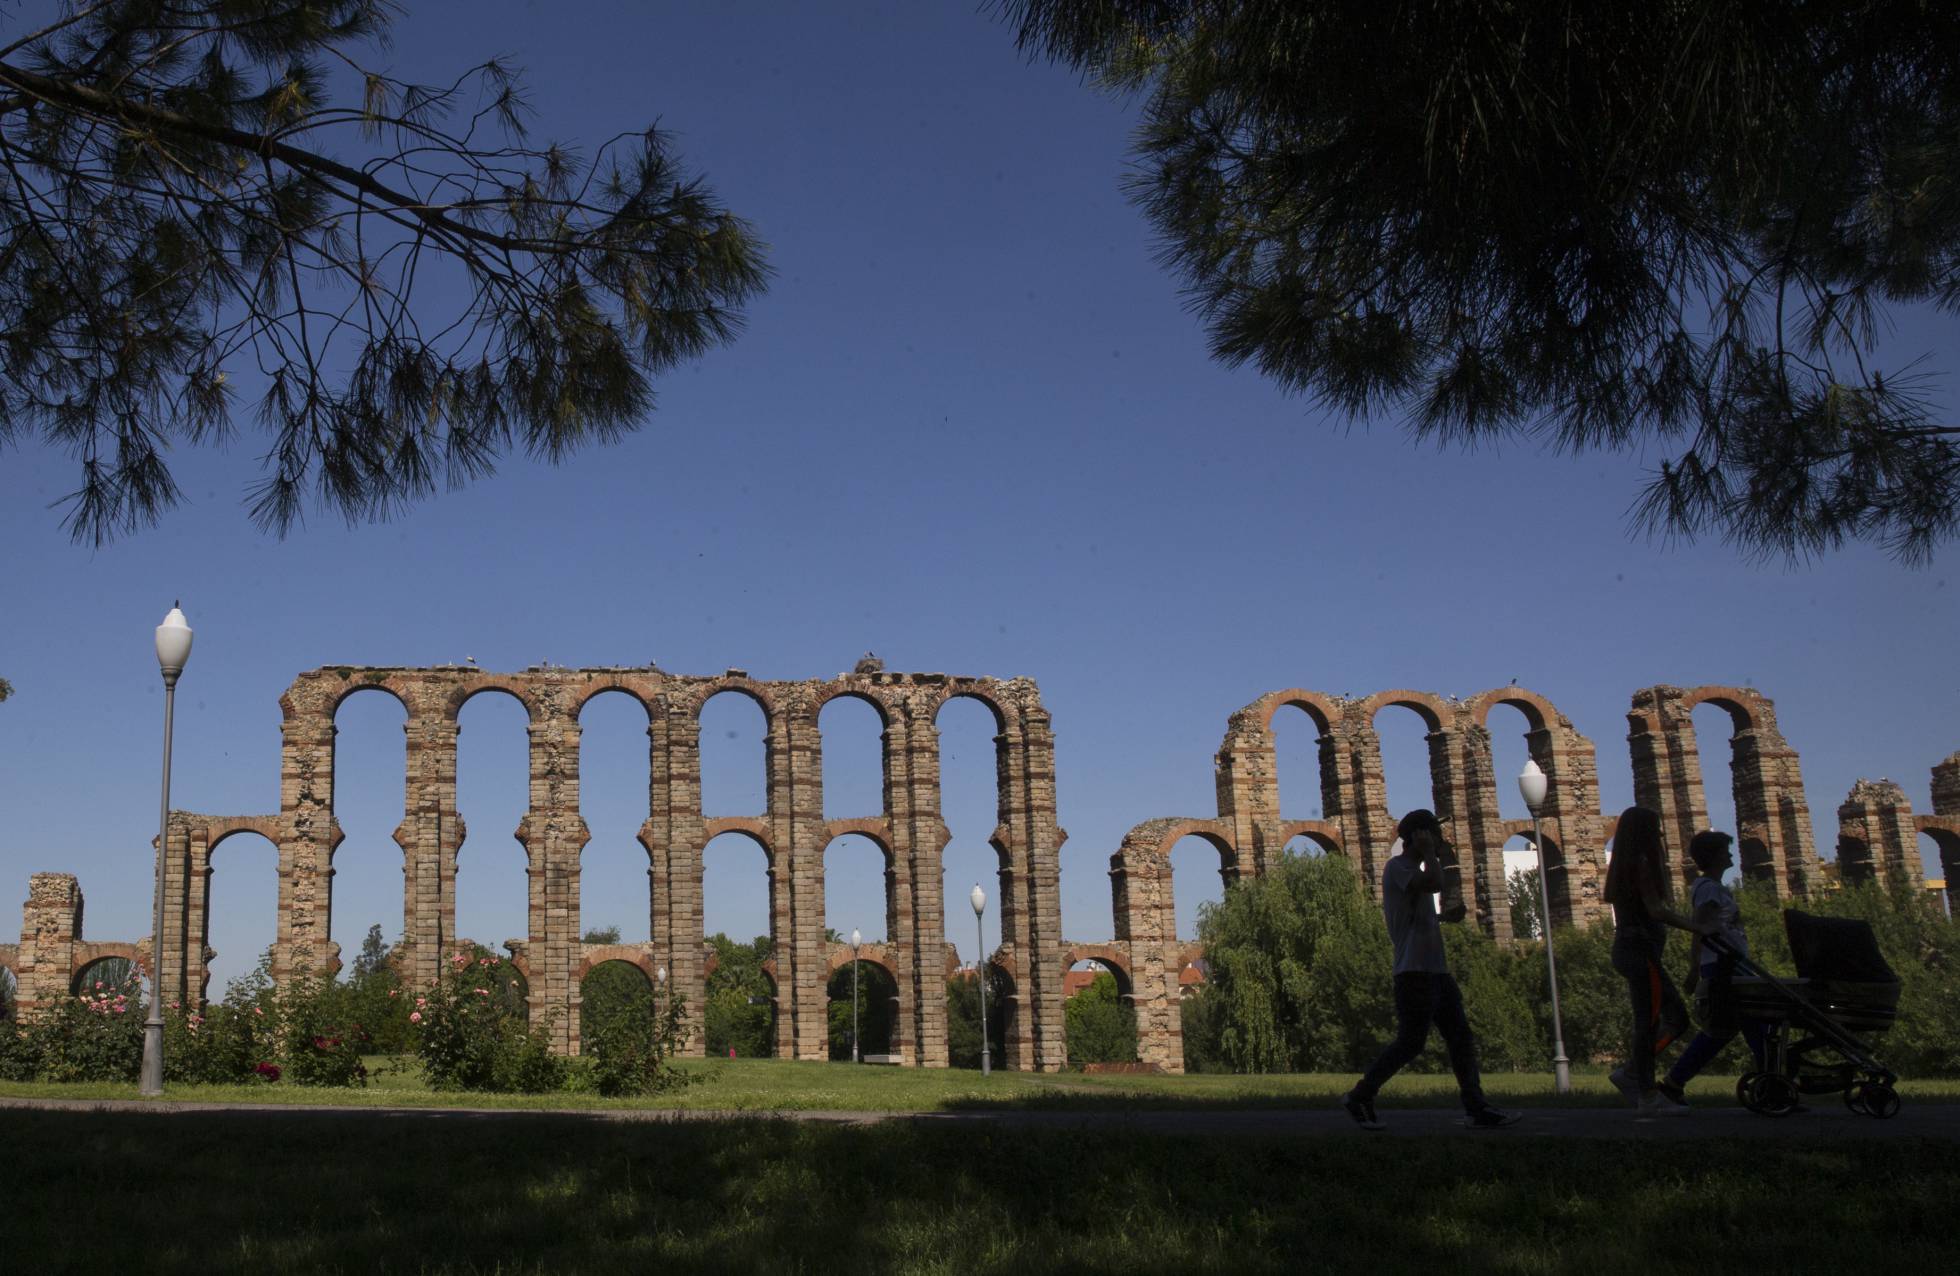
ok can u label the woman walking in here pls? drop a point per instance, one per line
(1636, 887)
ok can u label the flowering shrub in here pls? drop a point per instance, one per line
(320, 1044)
(96, 1036)
(470, 1035)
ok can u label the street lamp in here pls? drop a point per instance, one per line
(857, 940)
(660, 979)
(979, 898)
(1532, 785)
(173, 651)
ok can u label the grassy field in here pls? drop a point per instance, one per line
(443, 1193)
(776, 1085)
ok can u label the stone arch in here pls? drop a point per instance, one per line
(636, 955)
(741, 684)
(88, 956)
(1326, 711)
(217, 831)
(394, 687)
(874, 828)
(749, 826)
(849, 689)
(1108, 955)
(1003, 715)
(639, 687)
(879, 955)
(1431, 709)
(468, 688)
(1323, 833)
(1537, 710)
(1744, 706)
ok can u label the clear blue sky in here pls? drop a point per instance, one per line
(971, 428)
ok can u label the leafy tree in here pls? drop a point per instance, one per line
(6, 689)
(602, 935)
(203, 200)
(740, 1014)
(963, 1019)
(373, 956)
(1527, 906)
(614, 990)
(1100, 1028)
(1672, 226)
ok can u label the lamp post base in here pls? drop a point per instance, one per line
(152, 1083)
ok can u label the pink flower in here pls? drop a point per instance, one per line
(394, 992)
(120, 1009)
(98, 983)
(483, 961)
(258, 1010)
(175, 1006)
(415, 1016)
(483, 992)
(420, 1002)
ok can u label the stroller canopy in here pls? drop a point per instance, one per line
(1835, 948)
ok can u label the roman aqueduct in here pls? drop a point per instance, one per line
(1877, 837)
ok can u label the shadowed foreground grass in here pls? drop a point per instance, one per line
(457, 1193)
(777, 1085)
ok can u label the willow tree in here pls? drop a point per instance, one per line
(214, 208)
(1679, 227)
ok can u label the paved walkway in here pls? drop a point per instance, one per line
(1826, 1120)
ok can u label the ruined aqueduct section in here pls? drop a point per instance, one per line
(1877, 837)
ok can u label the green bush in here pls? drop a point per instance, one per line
(470, 1036)
(629, 1050)
(97, 1036)
(740, 1014)
(1101, 1029)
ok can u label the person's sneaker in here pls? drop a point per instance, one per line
(1678, 1094)
(1625, 1084)
(1659, 1105)
(1362, 1111)
(1489, 1118)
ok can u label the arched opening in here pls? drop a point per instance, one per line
(857, 889)
(734, 756)
(1510, 749)
(1099, 1013)
(241, 919)
(1854, 861)
(1406, 781)
(1522, 866)
(9, 995)
(876, 1009)
(853, 758)
(969, 796)
(1296, 763)
(370, 769)
(1304, 846)
(1199, 870)
(493, 792)
(1714, 736)
(739, 934)
(615, 889)
(109, 977)
(613, 991)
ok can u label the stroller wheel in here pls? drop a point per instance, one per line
(1877, 1099)
(1854, 1098)
(1770, 1094)
(1745, 1088)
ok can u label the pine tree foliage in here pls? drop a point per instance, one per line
(1680, 227)
(204, 202)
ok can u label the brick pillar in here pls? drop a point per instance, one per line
(1360, 797)
(1041, 930)
(1774, 839)
(675, 836)
(1667, 771)
(310, 834)
(1574, 857)
(796, 887)
(1466, 786)
(170, 968)
(430, 836)
(50, 926)
(1946, 786)
(553, 834)
(1146, 928)
(1245, 772)
(195, 945)
(1878, 839)
(915, 906)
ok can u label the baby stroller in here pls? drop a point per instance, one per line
(1819, 1024)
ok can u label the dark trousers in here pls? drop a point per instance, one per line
(1423, 999)
(1724, 1020)
(1659, 1014)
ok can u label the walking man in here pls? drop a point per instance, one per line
(1425, 993)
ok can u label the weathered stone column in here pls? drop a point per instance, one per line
(1667, 771)
(1878, 838)
(676, 840)
(796, 815)
(1245, 772)
(1466, 803)
(1574, 861)
(1146, 928)
(915, 918)
(430, 836)
(1041, 900)
(1774, 840)
(553, 834)
(1360, 797)
(1946, 785)
(309, 835)
(171, 954)
(50, 927)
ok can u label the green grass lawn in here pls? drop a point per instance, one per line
(766, 1085)
(437, 1193)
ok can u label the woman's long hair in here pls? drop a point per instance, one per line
(1636, 857)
